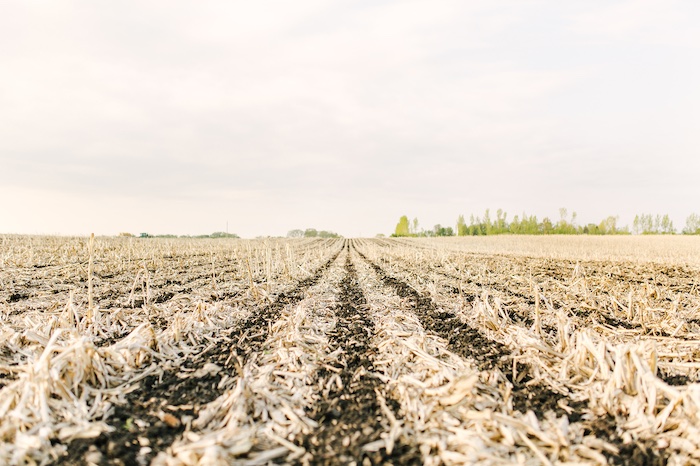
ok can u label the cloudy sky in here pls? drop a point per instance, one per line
(178, 117)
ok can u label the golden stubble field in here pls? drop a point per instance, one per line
(497, 350)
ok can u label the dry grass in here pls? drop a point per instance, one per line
(665, 249)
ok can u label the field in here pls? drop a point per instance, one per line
(498, 350)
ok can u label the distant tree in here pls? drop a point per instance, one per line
(666, 226)
(487, 227)
(647, 224)
(637, 225)
(312, 233)
(561, 226)
(223, 234)
(439, 230)
(514, 226)
(692, 225)
(608, 226)
(402, 228)
(501, 225)
(473, 228)
(564, 226)
(547, 228)
(413, 230)
(591, 229)
(461, 226)
(529, 225)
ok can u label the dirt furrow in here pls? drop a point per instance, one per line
(350, 415)
(156, 410)
(470, 343)
(488, 355)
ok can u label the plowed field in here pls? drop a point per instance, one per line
(180, 352)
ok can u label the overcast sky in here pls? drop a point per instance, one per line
(178, 117)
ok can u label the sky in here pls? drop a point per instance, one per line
(261, 117)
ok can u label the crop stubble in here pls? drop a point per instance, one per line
(516, 325)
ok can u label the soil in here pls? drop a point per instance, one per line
(351, 416)
(489, 354)
(486, 353)
(145, 414)
(351, 413)
(640, 453)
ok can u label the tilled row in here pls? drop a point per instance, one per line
(510, 291)
(267, 404)
(145, 413)
(470, 343)
(527, 395)
(588, 290)
(350, 414)
(452, 412)
(335, 372)
(575, 303)
(309, 395)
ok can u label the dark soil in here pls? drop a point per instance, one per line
(677, 379)
(15, 297)
(352, 417)
(641, 453)
(615, 322)
(488, 354)
(144, 415)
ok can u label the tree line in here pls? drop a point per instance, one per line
(216, 234)
(644, 224)
(312, 233)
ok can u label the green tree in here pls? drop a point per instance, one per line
(402, 228)
(439, 230)
(218, 234)
(591, 229)
(608, 226)
(692, 225)
(487, 227)
(647, 224)
(666, 226)
(637, 224)
(501, 222)
(529, 225)
(547, 228)
(327, 234)
(565, 227)
(461, 226)
(514, 226)
(414, 227)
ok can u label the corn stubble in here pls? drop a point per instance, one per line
(185, 352)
